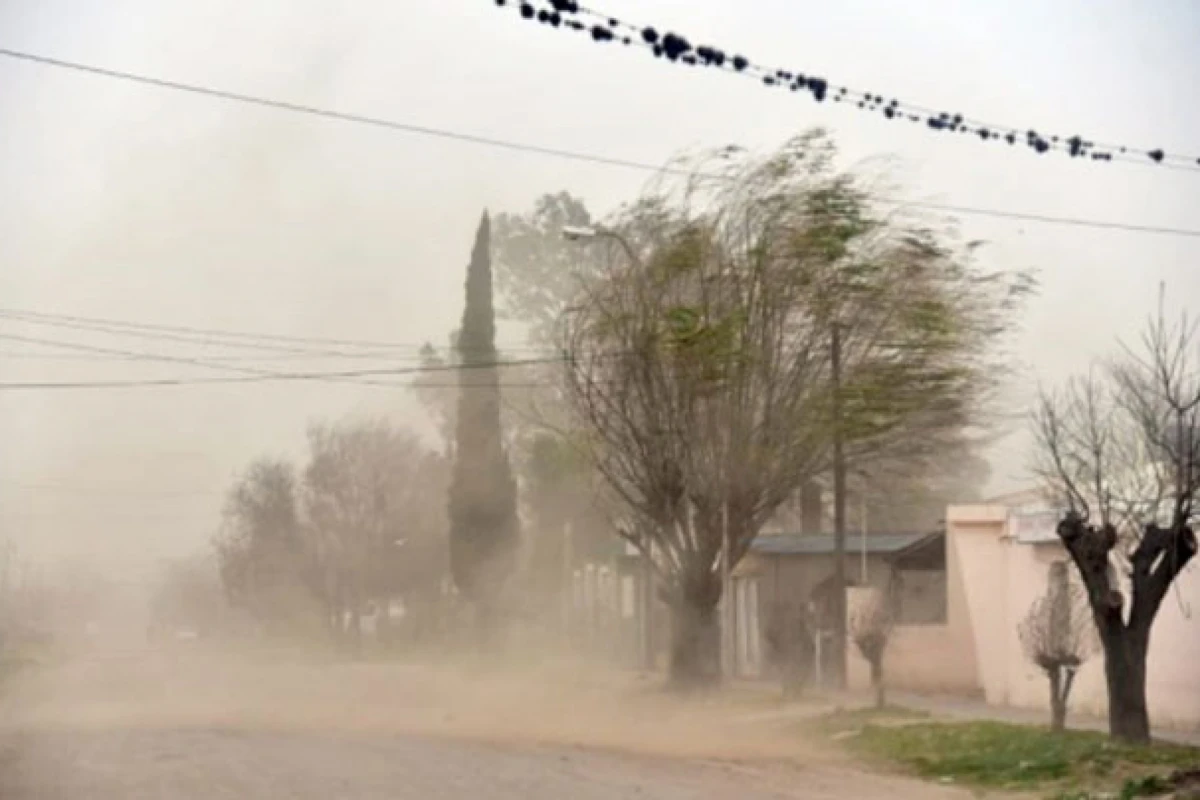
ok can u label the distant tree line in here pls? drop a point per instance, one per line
(734, 337)
(357, 532)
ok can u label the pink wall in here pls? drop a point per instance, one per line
(921, 658)
(1001, 578)
(930, 658)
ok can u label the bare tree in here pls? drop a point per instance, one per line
(1058, 637)
(375, 518)
(1120, 450)
(699, 363)
(871, 627)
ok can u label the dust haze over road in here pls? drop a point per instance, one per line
(192, 725)
(290, 191)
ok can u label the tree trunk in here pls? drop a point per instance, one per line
(1125, 672)
(695, 645)
(356, 630)
(1058, 700)
(877, 682)
(1161, 554)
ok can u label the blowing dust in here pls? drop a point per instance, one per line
(556, 702)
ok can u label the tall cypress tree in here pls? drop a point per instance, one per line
(483, 492)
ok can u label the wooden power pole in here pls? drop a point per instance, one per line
(839, 513)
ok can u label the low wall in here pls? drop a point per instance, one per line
(1172, 669)
(920, 658)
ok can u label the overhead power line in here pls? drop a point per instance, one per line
(424, 130)
(93, 489)
(602, 28)
(133, 355)
(250, 374)
(398, 357)
(223, 337)
(316, 376)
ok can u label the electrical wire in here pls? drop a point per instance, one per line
(90, 489)
(218, 336)
(573, 155)
(37, 355)
(246, 374)
(314, 376)
(159, 357)
(676, 48)
(131, 355)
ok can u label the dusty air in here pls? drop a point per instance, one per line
(539, 399)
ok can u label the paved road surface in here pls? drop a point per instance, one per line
(131, 765)
(178, 730)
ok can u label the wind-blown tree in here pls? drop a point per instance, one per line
(260, 547)
(375, 529)
(537, 268)
(483, 495)
(538, 272)
(1120, 450)
(699, 367)
(1058, 636)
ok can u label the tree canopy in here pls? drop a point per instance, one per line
(699, 364)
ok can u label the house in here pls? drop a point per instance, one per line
(795, 571)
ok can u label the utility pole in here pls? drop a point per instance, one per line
(862, 509)
(568, 584)
(647, 598)
(727, 600)
(839, 512)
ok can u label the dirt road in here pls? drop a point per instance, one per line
(171, 728)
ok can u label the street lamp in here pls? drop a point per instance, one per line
(575, 233)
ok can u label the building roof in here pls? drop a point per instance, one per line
(795, 544)
(928, 553)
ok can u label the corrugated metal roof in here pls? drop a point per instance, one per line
(794, 544)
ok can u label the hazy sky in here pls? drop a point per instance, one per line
(139, 204)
